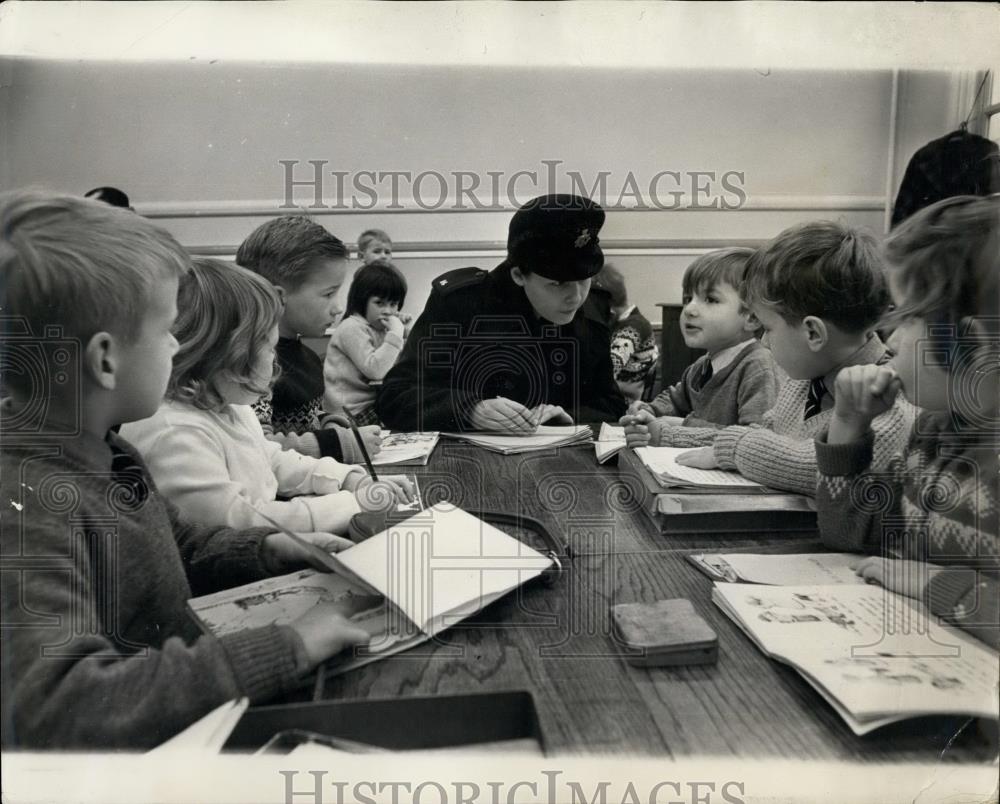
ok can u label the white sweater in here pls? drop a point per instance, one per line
(207, 462)
(357, 353)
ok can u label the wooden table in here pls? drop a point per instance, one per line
(555, 641)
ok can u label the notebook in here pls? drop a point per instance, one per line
(406, 449)
(412, 581)
(545, 437)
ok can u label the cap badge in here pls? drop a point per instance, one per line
(582, 239)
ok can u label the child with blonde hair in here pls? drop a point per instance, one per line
(930, 517)
(374, 245)
(205, 447)
(101, 652)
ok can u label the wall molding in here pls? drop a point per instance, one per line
(261, 208)
(497, 249)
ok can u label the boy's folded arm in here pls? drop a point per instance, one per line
(91, 692)
(760, 454)
(968, 599)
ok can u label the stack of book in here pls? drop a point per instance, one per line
(683, 499)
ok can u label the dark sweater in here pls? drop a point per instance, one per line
(98, 649)
(293, 415)
(739, 393)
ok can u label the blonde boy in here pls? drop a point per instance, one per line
(818, 290)
(98, 649)
(735, 382)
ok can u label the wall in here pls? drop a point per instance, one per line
(197, 145)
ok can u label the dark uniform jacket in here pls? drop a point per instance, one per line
(480, 338)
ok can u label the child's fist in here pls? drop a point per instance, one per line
(371, 435)
(385, 494)
(638, 405)
(637, 428)
(860, 394)
(393, 324)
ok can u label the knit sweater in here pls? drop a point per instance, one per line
(210, 463)
(98, 650)
(633, 347)
(357, 354)
(936, 501)
(741, 392)
(780, 452)
(293, 415)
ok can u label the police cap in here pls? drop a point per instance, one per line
(555, 236)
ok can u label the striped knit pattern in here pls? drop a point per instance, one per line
(936, 501)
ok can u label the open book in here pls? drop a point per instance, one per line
(875, 656)
(610, 441)
(546, 436)
(662, 463)
(778, 569)
(415, 579)
(406, 449)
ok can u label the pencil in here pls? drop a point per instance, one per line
(361, 443)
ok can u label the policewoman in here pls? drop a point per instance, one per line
(527, 343)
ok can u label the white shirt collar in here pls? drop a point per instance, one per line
(722, 359)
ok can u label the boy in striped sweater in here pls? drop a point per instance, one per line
(818, 290)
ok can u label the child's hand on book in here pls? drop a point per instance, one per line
(636, 428)
(860, 394)
(385, 493)
(326, 629)
(699, 458)
(280, 554)
(908, 578)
